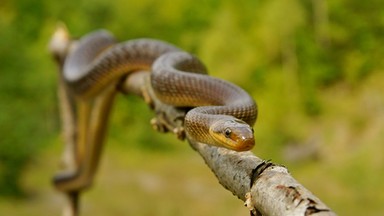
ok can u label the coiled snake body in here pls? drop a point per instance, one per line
(224, 113)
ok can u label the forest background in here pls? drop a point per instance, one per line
(314, 67)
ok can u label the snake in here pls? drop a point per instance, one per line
(219, 113)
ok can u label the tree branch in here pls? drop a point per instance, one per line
(266, 188)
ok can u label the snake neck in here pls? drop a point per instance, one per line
(197, 125)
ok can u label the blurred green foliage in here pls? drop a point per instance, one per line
(291, 55)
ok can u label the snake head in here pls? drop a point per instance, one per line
(233, 134)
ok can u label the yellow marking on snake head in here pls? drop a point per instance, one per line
(233, 134)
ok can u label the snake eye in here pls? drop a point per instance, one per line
(227, 132)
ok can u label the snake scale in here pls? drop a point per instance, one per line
(222, 115)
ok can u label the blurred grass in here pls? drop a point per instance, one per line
(316, 74)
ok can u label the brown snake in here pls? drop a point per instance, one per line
(224, 113)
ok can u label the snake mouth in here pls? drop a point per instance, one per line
(245, 144)
(233, 134)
